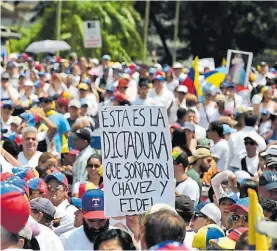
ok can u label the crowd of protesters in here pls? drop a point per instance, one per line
(52, 187)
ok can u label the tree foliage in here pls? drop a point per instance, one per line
(121, 28)
(209, 29)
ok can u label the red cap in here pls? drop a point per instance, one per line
(120, 97)
(123, 83)
(63, 101)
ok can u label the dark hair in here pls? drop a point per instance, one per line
(183, 159)
(11, 147)
(162, 226)
(27, 243)
(243, 187)
(273, 117)
(242, 242)
(179, 138)
(217, 126)
(95, 156)
(269, 206)
(181, 113)
(191, 110)
(124, 239)
(250, 118)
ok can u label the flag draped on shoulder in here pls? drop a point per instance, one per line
(192, 80)
(256, 241)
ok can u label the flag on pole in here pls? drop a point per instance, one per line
(192, 80)
(215, 77)
(256, 241)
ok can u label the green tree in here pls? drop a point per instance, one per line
(121, 27)
(211, 28)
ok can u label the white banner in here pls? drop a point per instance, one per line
(206, 62)
(92, 34)
(137, 161)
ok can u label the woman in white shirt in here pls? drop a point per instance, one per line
(57, 85)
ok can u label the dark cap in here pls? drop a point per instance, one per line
(143, 83)
(180, 157)
(269, 180)
(184, 205)
(5, 76)
(83, 134)
(43, 205)
(46, 99)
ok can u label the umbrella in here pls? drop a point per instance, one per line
(216, 77)
(48, 46)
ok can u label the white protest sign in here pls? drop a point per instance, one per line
(92, 34)
(206, 62)
(137, 162)
(239, 66)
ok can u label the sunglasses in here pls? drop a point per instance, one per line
(236, 217)
(55, 188)
(198, 215)
(93, 166)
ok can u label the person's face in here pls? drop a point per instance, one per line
(177, 71)
(61, 108)
(30, 142)
(83, 61)
(239, 218)
(158, 84)
(250, 146)
(46, 106)
(198, 221)
(6, 111)
(83, 93)
(84, 110)
(21, 81)
(143, 91)
(96, 223)
(112, 244)
(268, 94)
(78, 220)
(34, 193)
(180, 95)
(73, 111)
(206, 162)
(56, 191)
(50, 165)
(14, 127)
(79, 144)
(122, 89)
(211, 134)
(105, 62)
(28, 89)
(191, 117)
(224, 207)
(264, 69)
(267, 215)
(224, 91)
(93, 167)
(30, 64)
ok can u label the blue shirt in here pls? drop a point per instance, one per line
(63, 127)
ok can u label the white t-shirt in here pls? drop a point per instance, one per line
(76, 240)
(252, 164)
(190, 188)
(65, 212)
(92, 104)
(48, 240)
(220, 150)
(229, 103)
(6, 125)
(210, 111)
(147, 101)
(200, 132)
(33, 162)
(189, 239)
(5, 166)
(5, 95)
(256, 99)
(74, 92)
(165, 98)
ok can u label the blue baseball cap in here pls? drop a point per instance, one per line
(229, 195)
(227, 85)
(6, 103)
(59, 177)
(22, 75)
(93, 204)
(41, 73)
(77, 202)
(228, 129)
(106, 57)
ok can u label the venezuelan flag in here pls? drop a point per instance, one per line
(256, 241)
(216, 77)
(192, 81)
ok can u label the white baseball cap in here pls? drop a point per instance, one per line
(28, 83)
(213, 212)
(182, 88)
(242, 175)
(177, 65)
(75, 103)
